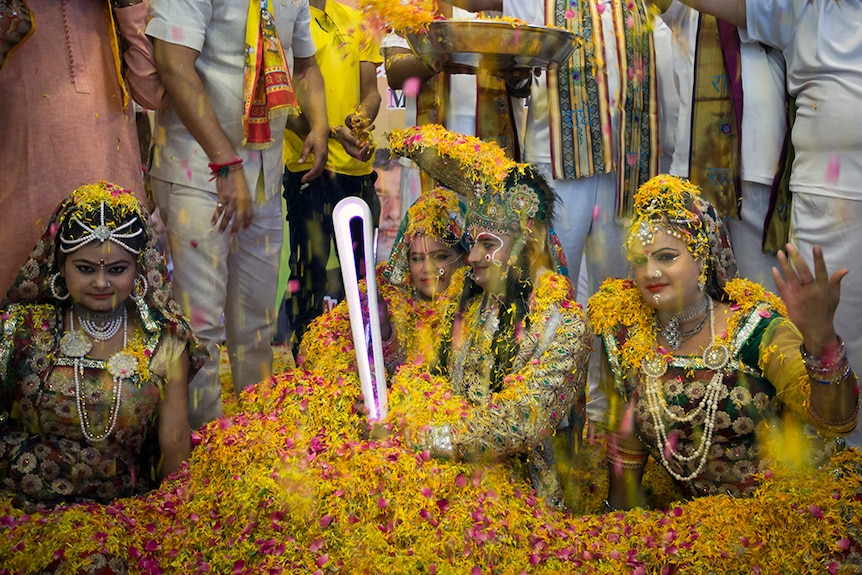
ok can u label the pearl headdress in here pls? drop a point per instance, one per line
(102, 233)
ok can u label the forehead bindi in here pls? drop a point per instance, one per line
(102, 255)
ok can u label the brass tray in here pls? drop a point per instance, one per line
(495, 46)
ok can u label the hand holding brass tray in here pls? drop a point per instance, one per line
(468, 45)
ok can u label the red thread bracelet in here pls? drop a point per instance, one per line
(222, 170)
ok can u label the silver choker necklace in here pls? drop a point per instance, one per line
(668, 324)
(100, 325)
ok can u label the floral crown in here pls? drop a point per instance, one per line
(103, 212)
(437, 214)
(674, 206)
(502, 195)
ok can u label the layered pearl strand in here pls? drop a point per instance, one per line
(101, 326)
(715, 357)
(74, 345)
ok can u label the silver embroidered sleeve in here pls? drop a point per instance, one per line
(550, 381)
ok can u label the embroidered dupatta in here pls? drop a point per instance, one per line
(579, 102)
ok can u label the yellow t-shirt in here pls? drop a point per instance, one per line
(342, 41)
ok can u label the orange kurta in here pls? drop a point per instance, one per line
(62, 119)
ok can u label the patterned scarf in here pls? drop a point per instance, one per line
(579, 103)
(268, 88)
(716, 121)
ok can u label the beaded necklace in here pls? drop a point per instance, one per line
(101, 326)
(121, 365)
(715, 357)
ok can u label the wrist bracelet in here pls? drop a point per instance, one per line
(222, 170)
(829, 368)
(835, 378)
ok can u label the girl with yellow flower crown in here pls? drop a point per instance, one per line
(95, 359)
(426, 254)
(703, 366)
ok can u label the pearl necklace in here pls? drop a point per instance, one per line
(715, 357)
(101, 326)
(120, 365)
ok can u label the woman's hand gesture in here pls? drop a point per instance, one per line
(811, 298)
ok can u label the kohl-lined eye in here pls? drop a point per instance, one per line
(667, 256)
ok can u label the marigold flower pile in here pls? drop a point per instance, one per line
(288, 483)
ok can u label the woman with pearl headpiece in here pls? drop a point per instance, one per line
(95, 359)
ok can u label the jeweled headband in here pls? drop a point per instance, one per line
(87, 223)
(525, 199)
(674, 206)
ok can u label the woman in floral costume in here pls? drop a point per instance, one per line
(707, 369)
(95, 359)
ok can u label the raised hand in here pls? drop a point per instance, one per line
(811, 298)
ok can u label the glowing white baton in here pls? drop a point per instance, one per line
(373, 389)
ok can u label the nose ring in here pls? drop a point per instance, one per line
(109, 284)
(440, 272)
(487, 257)
(657, 275)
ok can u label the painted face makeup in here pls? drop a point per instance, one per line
(488, 257)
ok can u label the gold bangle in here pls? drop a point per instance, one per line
(838, 427)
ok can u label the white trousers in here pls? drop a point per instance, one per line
(218, 276)
(836, 226)
(746, 235)
(587, 227)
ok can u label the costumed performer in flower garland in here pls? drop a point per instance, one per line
(426, 253)
(95, 359)
(514, 344)
(704, 365)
